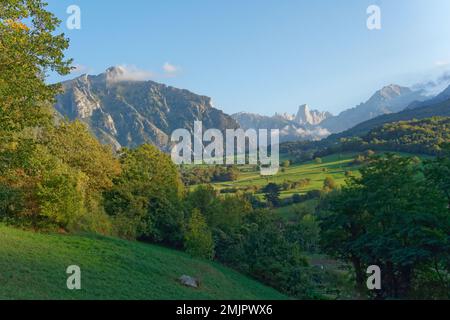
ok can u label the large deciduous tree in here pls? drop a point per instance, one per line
(393, 217)
(29, 49)
(144, 202)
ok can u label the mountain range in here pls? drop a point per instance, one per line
(438, 106)
(304, 125)
(310, 124)
(390, 99)
(127, 113)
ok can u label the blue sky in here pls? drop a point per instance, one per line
(264, 56)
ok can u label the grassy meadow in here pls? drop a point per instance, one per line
(33, 266)
(334, 166)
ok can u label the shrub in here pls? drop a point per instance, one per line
(296, 198)
(198, 240)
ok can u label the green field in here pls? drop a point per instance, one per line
(33, 266)
(334, 166)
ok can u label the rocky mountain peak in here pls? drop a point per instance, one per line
(307, 116)
(114, 73)
(285, 116)
(392, 91)
(131, 112)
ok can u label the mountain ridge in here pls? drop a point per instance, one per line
(310, 124)
(126, 113)
(389, 99)
(430, 108)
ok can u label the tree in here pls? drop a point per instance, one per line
(305, 232)
(198, 240)
(286, 164)
(145, 199)
(296, 198)
(369, 153)
(61, 175)
(438, 172)
(318, 160)
(204, 198)
(52, 195)
(390, 217)
(77, 147)
(232, 173)
(28, 50)
(329, 184)
(343, 222)
(272, 194)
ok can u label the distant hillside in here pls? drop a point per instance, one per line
(111, 269)
(426, 110)
(129, 113)
(390, 99)
(442, 97)
(425, 136)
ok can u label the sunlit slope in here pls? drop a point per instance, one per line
(33, 266)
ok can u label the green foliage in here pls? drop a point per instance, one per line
(198, 240)
(298, 178)
(36, 158)
(424, 136)
(78, 148)
(272, 194)
(296, 198)
(145, 199)
(61, 194)
(305, 232)
(52, 195)
(329, 184)
(285, 164)
(393, 217)
(260, 248)
(437, 172)
(60, 175)
(28, 49)
(201, 175)
(254, 243)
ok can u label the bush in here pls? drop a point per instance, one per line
(147, 193)
(329, 184)
(285, 164)
(296, 198)
(198, 240)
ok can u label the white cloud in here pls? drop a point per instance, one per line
(128, 73)
(442, 63)
(79, 68)
(170, 68)
(435, 85)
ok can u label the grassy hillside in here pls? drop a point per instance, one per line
(33, 266)
(334, 166)
(441, 109)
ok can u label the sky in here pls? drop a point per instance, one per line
(263, 56)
